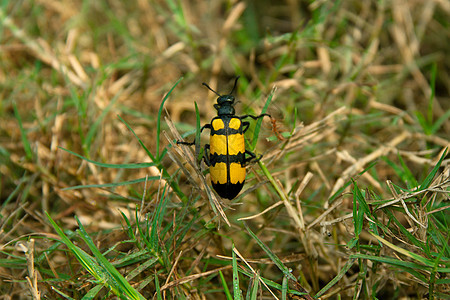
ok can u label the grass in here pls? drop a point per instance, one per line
(349, 201)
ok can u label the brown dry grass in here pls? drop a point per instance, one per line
(352, 85)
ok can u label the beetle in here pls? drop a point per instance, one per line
(225, 155)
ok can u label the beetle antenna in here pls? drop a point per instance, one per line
(212, 89)
(235, 83)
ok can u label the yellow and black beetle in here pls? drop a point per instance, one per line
(226, 154)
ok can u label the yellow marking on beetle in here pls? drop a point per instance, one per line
(235, 123)
(218, 173)
(218, 124)
(236, 144)
(218, 144)
(237, 173)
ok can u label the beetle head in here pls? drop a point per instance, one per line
(225, 103)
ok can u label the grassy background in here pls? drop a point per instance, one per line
(349, 201)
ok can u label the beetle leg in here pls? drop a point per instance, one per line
(251, 158)
(206, 126)
(245, 126)
(206, 152)
(255, 117)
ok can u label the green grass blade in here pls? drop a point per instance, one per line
(259, 122)
(438, 123)
(158, 288)
(93, 129)
(408, 176)
(107, 185)
(427, 181)
(129, 229)
(85, 259)
(148, 263)
(403, 265)
(358, 214)
(145, 237)
(116, 279)
(158, 120)
(432, 95)
(173, 184)
(23, 133)
(197, 132)
(338, 277)
(140, 141)
(226, 290)
(112, 166)
(398, 170)
(437, 262)
(284, 288)
(411, 237)
(62, 294)
(236, 290)
(254, 286)
(92, 293)
(271, 255)
(156, 222)
(427, 262)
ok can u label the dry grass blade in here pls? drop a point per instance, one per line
(359, 165)
(192, 277)
(400, 199)
(263, 212)
(253, 271)
(362, 100)
(286, 259)
(42, 50)
(32, 278)
(194, 173)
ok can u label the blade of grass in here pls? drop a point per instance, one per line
(158, 120)
(271, 255)
(197, 132)
(112, 166)
(92, 293)
(106, 185)
(284, 288)
(144, 236)
(338, 277)
(236, 290)
(427, 262)
(153, 158)
(427, 181)
(129, 229)
(157, 221)
(437, 261)
(158, 164)
(158, 288)
(117, 280)
(259, 121)
(411, 238)
(403, 265)
(93, 128)
(358, 214)
(85, 259)
(408, 176)
(225, 286)
(62, 294)
(23, 133)
(132, 258)
(141, 268)
(438, 123)
(253, 288)
(432, 95)
(275, 285)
